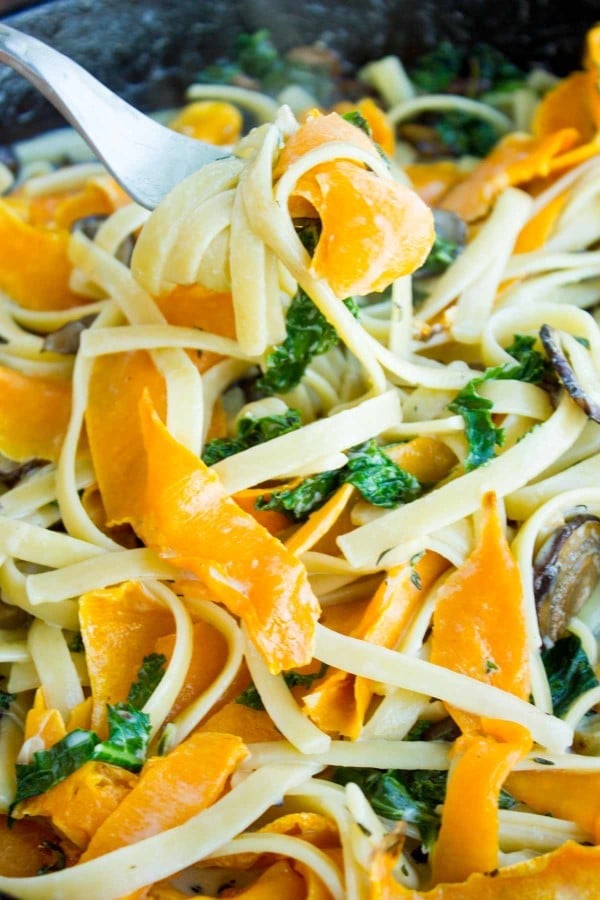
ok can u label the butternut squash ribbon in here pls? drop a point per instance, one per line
(569, 871)
(339, 703)
(373, 229)
(34, 415)
(188, 519)
(479, 623)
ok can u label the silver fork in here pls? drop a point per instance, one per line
(147, 159)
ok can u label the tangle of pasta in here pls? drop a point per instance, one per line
(299, 534)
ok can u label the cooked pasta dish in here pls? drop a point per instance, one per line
(299, 504)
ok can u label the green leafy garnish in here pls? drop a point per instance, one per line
(126, 746)
(356, 118)
(379, 480)
(6, 699)
(128, 736)
(148, 679)
(76, 644)
(292, 679)
(299, 502)
(49, 767)
(466, 135)
(402, 794)
(309, 334)
(472, 71)
(250, 696)
(482, 434)
(250, 432)
(442, 254)
(569, 672)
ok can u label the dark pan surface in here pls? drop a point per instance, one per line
(149, 50)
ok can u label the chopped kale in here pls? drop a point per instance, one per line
(6, 699)
(470, 71)
(379, 480)
(250, 432)
(442, 254)
(309, 334)
(569, 672)
(49, 767)
(300, 501)
(76, 644)
(128, 736)
(126, 746)
(506, 800)
(356, 118)
(250, 696)
(292, 679)
(436, 71)
(482, 435)
(466, 135)
(402, 794)
(257, 56)
(480, 430)
(148, 679)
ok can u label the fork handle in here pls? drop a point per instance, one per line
(146, 158)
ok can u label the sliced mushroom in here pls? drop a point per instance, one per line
(66, 339)
(12, 472)
(574, 366)
(566, 571)
(89, 226)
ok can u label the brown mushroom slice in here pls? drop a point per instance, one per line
(90, 225)
(575, 368)
(566, 571)
(12, 472)
(66, 339)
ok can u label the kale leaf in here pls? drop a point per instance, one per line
(402, 794)
(128, 737)
(148, 679)
(530, 366)
(49, 767)
(6, 699)
(379, 480)
(250, 696)
(465, 135)
(251, 431)
(442, 254)
(480, 430)
(298, 502)
(356, 118)
(309, 334)
(126, 746)
(569, 672)
(76, 644)
(472, 71)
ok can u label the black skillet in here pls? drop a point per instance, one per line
(149, 50)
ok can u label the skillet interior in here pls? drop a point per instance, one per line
(149, 51)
